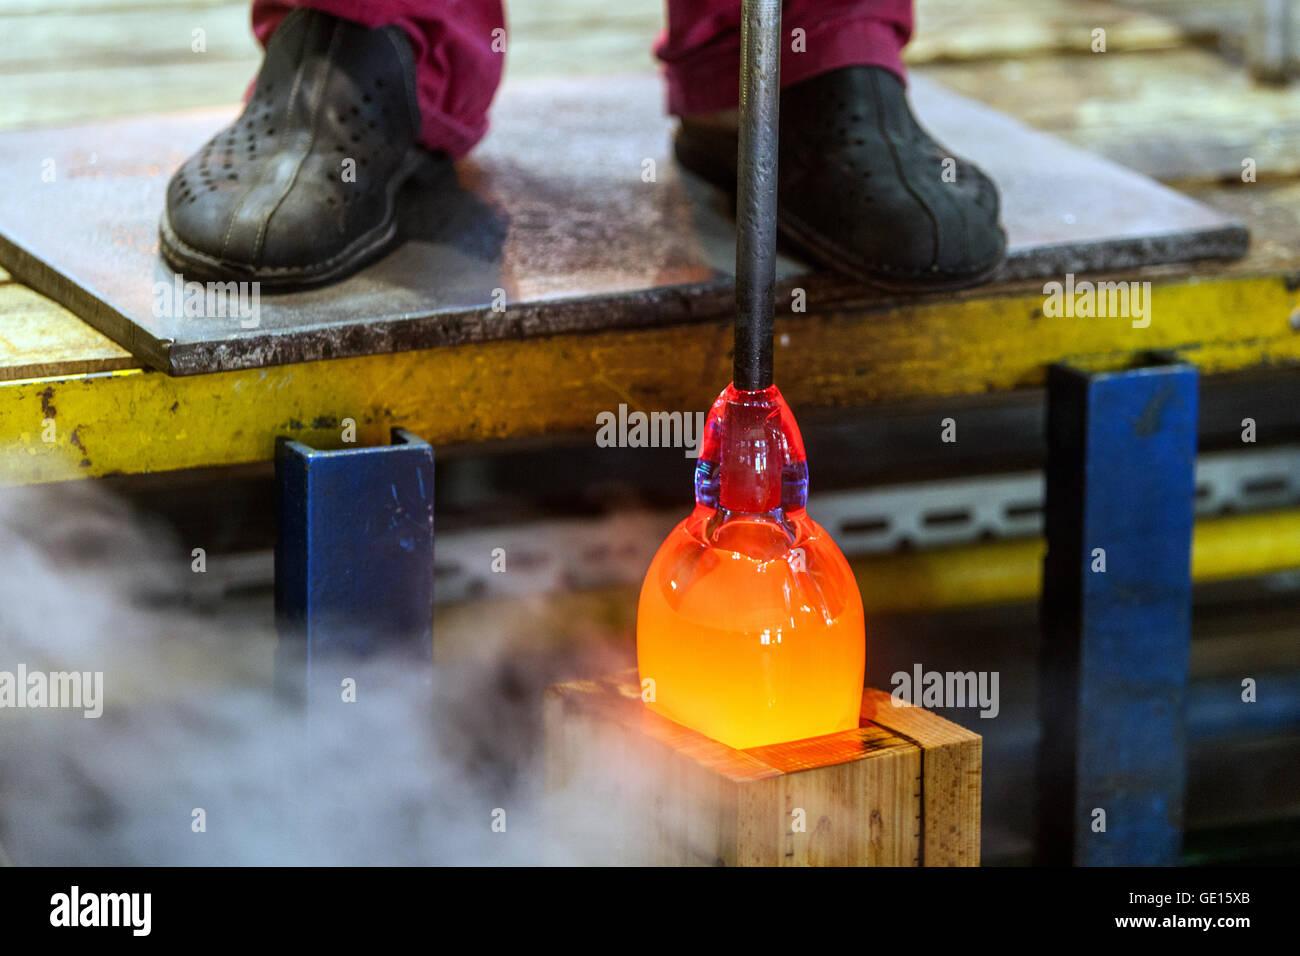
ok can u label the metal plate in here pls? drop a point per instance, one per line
(553, 210)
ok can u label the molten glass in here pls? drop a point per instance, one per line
(750, 622)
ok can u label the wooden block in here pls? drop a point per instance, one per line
(903, 789)
(952, 763)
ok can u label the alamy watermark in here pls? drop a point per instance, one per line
(55, 690)
(131, 911)
(624, 429)
(209, 300)
(1115, 300)
(922, 688)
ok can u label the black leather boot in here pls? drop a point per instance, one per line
(863, 187)
(301, 188)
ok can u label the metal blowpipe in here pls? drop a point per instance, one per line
(760, 100)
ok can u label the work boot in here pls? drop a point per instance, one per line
(862, 187)
(301, 188)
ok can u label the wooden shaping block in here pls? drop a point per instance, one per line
(903, 789)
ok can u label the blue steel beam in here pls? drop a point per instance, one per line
(353, 559)
(1116, 614)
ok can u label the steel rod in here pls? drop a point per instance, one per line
(760, 95)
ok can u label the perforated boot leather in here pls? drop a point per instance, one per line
(863, 189)
(301, 189)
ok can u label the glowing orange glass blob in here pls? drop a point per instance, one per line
(750, 622)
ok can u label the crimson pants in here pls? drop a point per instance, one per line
(460, 48)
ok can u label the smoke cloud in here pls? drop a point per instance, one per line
(196, 760)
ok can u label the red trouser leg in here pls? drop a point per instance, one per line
(453, 40)
(701, 47)
(459, 69)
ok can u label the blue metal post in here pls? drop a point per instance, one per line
(353, 559)
(1116, 614)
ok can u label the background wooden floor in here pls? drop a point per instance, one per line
(1168, 97)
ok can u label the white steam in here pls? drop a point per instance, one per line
(190, 723)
